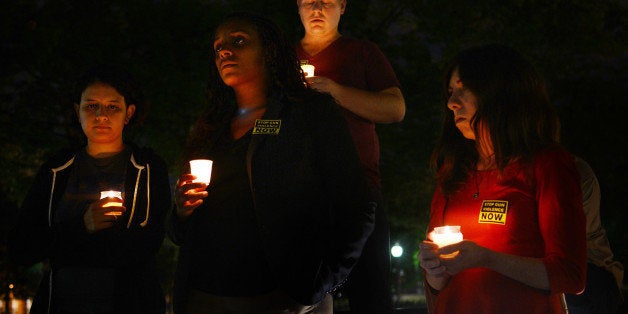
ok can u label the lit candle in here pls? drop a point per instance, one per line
(446, 235)
(308, 69)
(114, 194)
(201, 169)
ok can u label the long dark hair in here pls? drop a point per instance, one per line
(284, 78)
(512, 103)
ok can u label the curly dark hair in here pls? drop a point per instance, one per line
(512, 102)
(285, 79)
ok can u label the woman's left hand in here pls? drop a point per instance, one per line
(469, 255)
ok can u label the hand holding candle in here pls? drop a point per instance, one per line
(446, 235)
(117, 201)
(189, 190)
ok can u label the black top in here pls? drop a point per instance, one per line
(310, 201)
(50, 228)
(228, 259)
(88, 288)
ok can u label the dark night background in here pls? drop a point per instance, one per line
(579, 46)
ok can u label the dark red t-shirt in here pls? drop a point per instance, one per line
(359, 64)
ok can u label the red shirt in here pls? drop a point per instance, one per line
(541, 218)
(359, 64)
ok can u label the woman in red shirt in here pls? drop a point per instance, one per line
(503, 177)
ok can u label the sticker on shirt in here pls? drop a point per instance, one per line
(268, 127)
(493, 212)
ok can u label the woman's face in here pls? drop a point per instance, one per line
(103, 113)
(463, 104)
(239, 54)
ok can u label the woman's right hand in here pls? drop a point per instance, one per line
(435, 273)
(188, 195)
(98, 217)
(429, 259)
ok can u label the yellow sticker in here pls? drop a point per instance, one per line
(493, 212)
(270, 127)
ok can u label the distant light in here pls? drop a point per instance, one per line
(10, 286)
(396, 250)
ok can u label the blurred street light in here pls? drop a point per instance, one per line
(397, 251)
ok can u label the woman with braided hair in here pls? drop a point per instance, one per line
(285, 216)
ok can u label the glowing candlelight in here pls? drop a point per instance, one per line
(113, 194)
(308, 69)
(446, 235)
(202, 169)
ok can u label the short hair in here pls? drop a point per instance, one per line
(121, 80)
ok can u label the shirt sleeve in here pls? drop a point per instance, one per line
(561, 220)
(379, 72)
(598, 247)
(31, 237)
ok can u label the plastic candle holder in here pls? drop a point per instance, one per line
(114, 194)
(447, 235)
(308, 69)
(202, 170)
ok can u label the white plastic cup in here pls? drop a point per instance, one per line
(115, 194)
(308, 69)
(202, 170)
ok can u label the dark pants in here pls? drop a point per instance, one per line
(274, 302)
(368, 286)
(601, 294)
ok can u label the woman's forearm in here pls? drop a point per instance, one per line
(527, 270)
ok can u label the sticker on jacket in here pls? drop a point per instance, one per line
(493, 212)
(270, 127)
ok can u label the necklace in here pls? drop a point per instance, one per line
(245, 111)
(477, 185)
(483, 164)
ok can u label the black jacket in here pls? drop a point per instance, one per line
(310, 199)
(129, 247)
